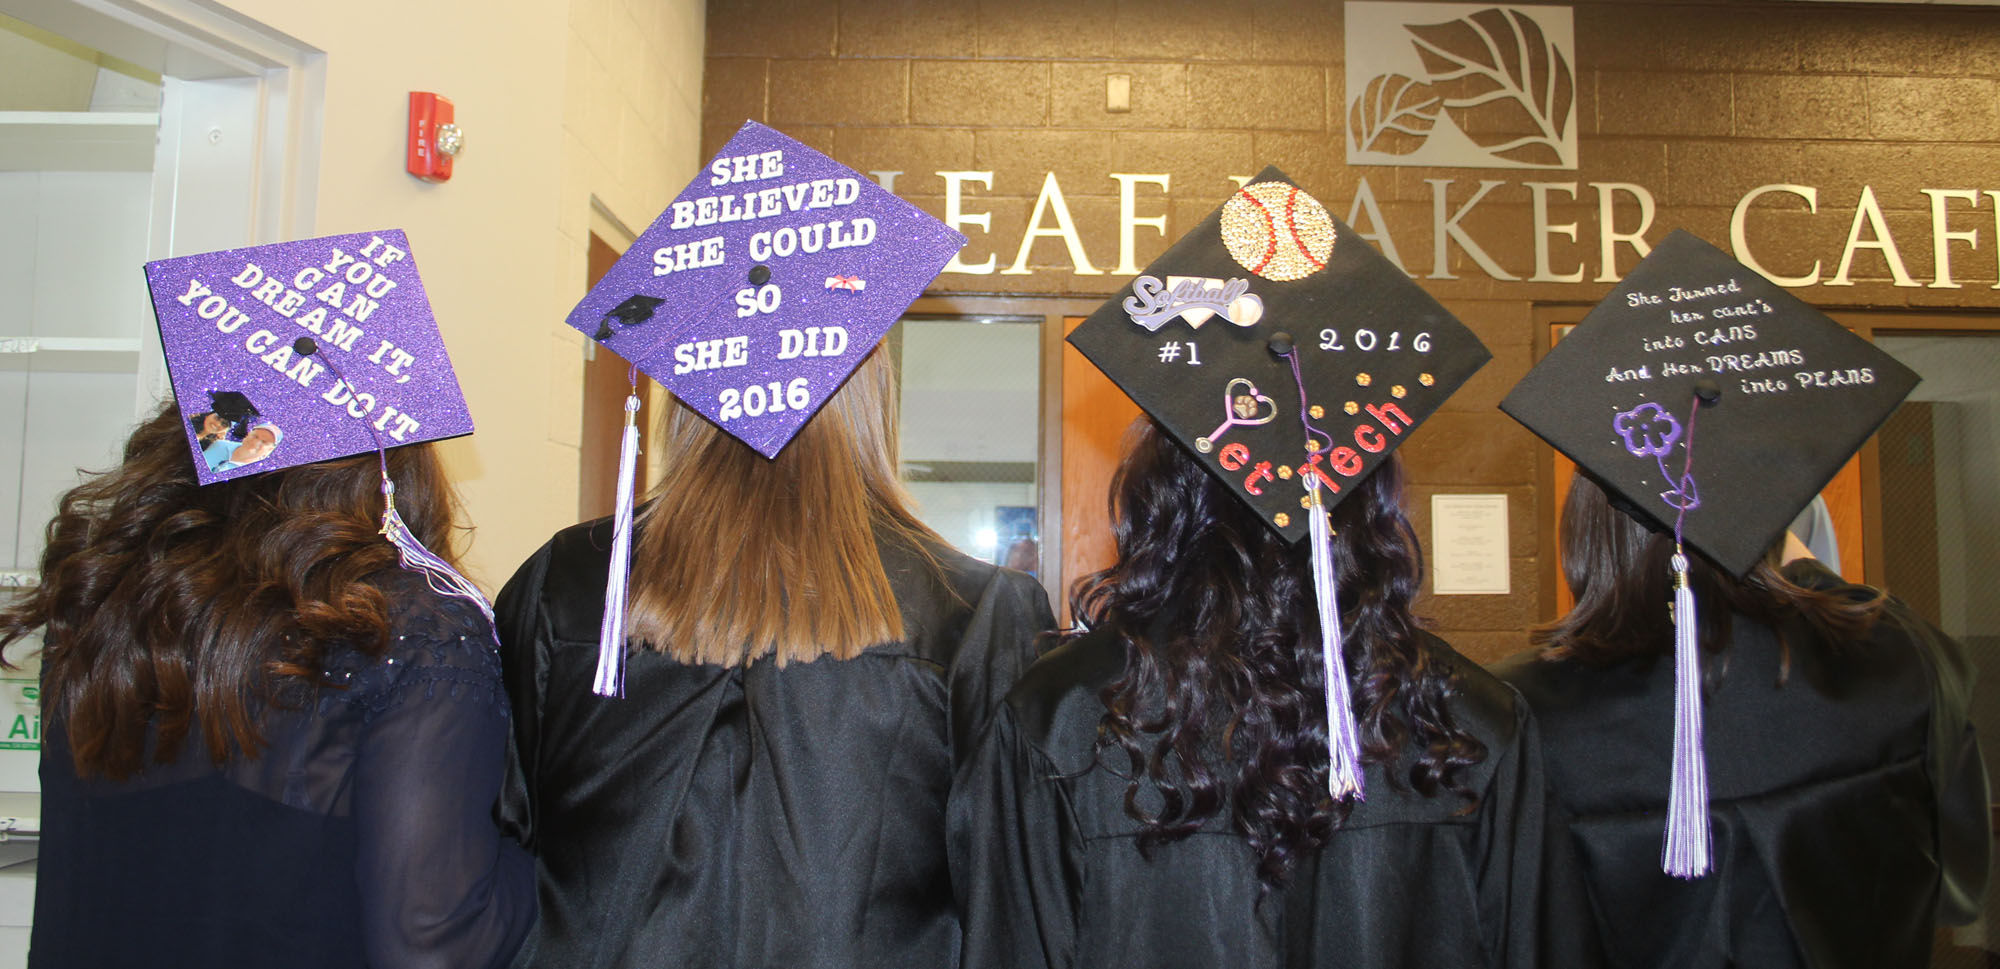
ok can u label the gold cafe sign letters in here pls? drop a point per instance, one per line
(1763, 223)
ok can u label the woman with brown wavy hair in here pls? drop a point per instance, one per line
(1751, 761)
(1846, 792)
(265, 744)
(809, 664)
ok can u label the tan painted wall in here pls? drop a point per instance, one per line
(1698, 102)
(560, 102)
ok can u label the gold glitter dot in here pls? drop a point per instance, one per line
(1317, 412)
(1285, 472)
(1363, 379)
(1426, 379)
(1305, 501)
(1399, 391)
(1312, 446)
(1351, 407)
(1283, 520)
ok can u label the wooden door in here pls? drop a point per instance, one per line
(605, 386)
(1095, 417)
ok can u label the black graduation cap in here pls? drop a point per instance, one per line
(1197, 338)
(1793, 396)
(636, 309)
(232, 405)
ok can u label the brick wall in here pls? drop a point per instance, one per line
(1696, 103)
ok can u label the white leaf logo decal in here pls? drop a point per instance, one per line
(1394, 114)
(1505, 85)
(1492, 88)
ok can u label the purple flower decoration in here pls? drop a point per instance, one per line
(1648, 430)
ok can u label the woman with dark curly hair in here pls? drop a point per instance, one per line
(1253, 755)
(264, 743)
(1154, 792)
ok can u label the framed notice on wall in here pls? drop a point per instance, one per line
(1469, 554)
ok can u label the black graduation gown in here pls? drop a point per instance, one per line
(755, 816)
(1049, 872)
(1848, 806)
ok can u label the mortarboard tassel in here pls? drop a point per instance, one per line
(610, 679)
(443, 579)
(1685, 853)
(437, 573)
(1343, 737)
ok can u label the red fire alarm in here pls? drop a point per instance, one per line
(434, 139)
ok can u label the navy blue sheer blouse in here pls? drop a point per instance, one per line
(362, 836)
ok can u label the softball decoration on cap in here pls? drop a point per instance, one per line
(1276, 230)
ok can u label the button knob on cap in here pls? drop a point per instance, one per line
(759, 275)
(1708, 391)
(304, 346)
(1281, 343)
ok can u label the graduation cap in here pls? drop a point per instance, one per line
(1194, 341)
(1290, 359)
(1792, 396)
(752, 298)
(634, 311)
(230, 322)
(296, 352)
(1712, 404)
(764, 284)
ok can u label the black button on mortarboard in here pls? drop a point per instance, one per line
(1708, 390)
(759, 275)
(1281, 343)
(304, 346)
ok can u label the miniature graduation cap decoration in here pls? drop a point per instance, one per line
(752, 298)
(1713, 404)
(1290, 358)
(287, 354)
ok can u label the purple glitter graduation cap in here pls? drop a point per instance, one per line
(759, 290)
(231, 323)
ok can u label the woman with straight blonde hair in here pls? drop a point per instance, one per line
(809, 665)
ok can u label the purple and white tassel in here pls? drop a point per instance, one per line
(1685, 854)
(1343, 737)
(610, 680)
(411, 553)
(414, 557)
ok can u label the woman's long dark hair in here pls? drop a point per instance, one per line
(1222, 707)
(168, 607)
(1620, 574)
